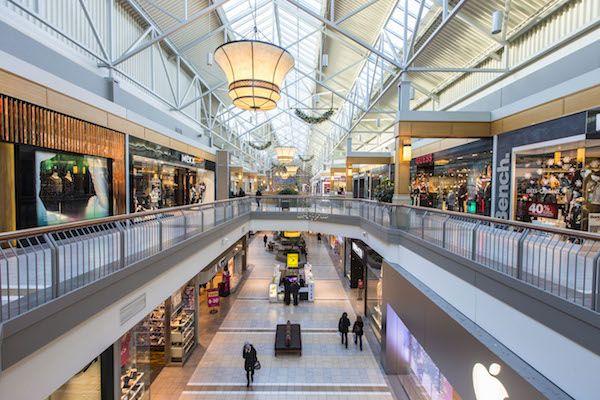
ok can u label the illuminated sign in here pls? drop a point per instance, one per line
(292, 260)
(186, 158)
(426, 159)
(485, 383)
(358, 250)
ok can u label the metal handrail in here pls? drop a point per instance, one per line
(14, 235)
(40, 264)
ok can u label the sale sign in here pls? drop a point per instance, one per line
(546, 210)
(213, 298)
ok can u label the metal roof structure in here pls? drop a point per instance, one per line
(443, 47)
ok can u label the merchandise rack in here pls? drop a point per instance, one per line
(133, 392)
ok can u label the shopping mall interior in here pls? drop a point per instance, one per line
(299, 199)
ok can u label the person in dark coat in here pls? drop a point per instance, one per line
(343, 326)
(319, 237)
(241, 193)
(358, 330)
(258, 196)
(250, 360)
(286, 291)
(295, 289)
(265, 240)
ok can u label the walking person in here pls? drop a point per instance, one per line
(258, 196)
(319, 237)
(295, 290)
(265, 240)
(250, 362)
(343, 326)
(358, 330)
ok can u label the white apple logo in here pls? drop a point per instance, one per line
(486, 385)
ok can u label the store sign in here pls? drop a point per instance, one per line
(424, 160)
(486, 384)
(186, 158)
(213, 299)
(545, 210)
(594, 222)
(292, 260)
(503, 177)
(358, 250)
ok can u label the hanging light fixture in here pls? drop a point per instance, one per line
(285, 154)
(292, 169)
(255, 71)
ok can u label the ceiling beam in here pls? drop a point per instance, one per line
(169, 32)
(332, 25)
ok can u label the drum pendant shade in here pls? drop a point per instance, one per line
(255, 72)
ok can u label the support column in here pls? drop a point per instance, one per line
(403, 152)
(402, 171)
(349, 180)
(8, 211)
(348, 172)
(222, 175)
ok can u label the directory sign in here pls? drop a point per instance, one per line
(292, 260)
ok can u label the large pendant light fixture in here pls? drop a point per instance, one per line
(255, 71)
(284, 154)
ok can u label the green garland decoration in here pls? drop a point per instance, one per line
(306, 159)
(260, 147)
(309, 119)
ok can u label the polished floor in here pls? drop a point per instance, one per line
(326, 369)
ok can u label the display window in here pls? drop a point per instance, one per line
(455, 180)
(423, 379)
(162, 177)
(55, 187)
(559, 185)
(157, 184)
(86, 384)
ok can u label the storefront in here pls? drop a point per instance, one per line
(437, 353)
(162, 177)
(165, 337)
(93, 382)
(456, 179)
(366, 181)
(548, 174)
(56, 168)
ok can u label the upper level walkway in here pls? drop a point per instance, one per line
(544, 281)
(42, 264)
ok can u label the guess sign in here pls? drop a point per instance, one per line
(546, 210)
(426, 159)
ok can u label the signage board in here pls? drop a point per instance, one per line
(424, 159)
(358, 250)
(538, 209)
(292, 260)
(213, 299)
(186, 158)
(594, 222)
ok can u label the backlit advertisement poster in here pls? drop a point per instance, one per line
(70, 187)
(425, 376)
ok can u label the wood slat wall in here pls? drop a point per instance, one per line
(25, 123)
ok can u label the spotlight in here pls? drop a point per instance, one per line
(497, 18)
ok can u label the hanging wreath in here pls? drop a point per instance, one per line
(260, 146)
(309, 119)
(306, 159)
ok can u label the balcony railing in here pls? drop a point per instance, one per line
(42, 264)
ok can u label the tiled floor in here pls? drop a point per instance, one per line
(326, 369)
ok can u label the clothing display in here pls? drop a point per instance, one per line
(156, 184)
(459, 183)
(558, 188)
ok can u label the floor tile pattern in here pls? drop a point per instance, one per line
(326, 369)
